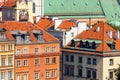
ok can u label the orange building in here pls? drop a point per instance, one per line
(37, 53)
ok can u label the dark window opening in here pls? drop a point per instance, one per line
(72, 43)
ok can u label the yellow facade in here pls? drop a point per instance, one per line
(24, 6)
(7, 60)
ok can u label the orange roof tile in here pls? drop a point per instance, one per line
(101, 34)
(45, 23)
(66, 25)
(10, 3)
(27, 26)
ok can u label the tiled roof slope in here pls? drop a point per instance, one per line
(100, 35)
(27, 26)
(9, 3)
(67, 25)
(45, 23)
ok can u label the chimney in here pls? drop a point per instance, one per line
(57, 23)
(81, 27)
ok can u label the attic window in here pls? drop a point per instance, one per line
(93, 45)
(27, 37)
(111, 45)
(98, 29)
(86, 44)
(40, 36)
(72, 43)
(81, 43)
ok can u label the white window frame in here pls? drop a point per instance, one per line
(25, 62)
(36, 76)
(53, 74)
(25, 76)
(25, 51)
(47, 74)
(9, 75)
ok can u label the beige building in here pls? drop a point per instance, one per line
(6, 56)
(20, 10)
(92, 55)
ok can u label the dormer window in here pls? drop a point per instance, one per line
(98, 29)
(93, 45)
(27, 37)
(40, 36)
(18, 37)
(86, 44)
(81, 43)
(109, 34)
(72, 43)
(2, 33)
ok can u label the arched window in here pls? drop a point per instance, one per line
(86, 44)
(72, 43)
(81, 44)
(93, 45)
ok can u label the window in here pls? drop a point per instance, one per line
(111, 62)
(2, 75)
(94, 61)
(71, 71)
(3, 47)
(88, 60)
(72, 34)
(88, 73)
(18, 63)
(25, 51)
(94, 74)
(34, 7)
(53, 74)
(36, 61)
(9, 47)
(9, 74)
(25, 62)
(66, 70)
(36, 50)
(47, 61)
(25, 76)
(47, 49)
(111, 75)
(18, 51)
(3, 61)
(54, 60)
(80, 59)
(66, 57)
(18, 77)
(47, 74)
(10, 60)
(80, 72)
(72, 58)
(36, 75)
(53, 49)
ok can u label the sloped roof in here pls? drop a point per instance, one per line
(100, 35)
(72, 7)
(27, 26)
(67, 25)
(9, 3)
(45, 23)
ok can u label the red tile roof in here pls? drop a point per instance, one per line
(66, 25)
(102, 35)
(45, 23)
(10, 3)
(27, 26)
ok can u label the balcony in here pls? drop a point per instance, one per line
(23, 17)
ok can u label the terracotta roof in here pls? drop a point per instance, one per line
(10, 3)
(66, 25)
(45, 23)
(100, 32)
(27, 26)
